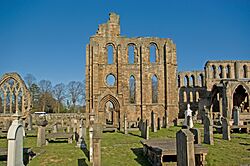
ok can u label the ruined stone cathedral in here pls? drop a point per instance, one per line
(137, 77)
(130, 76)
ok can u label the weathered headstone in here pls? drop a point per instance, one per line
(197, 135)
(55, 129)
(225, 129)
(125, 124)
(153, 126)
(30, 122)
(236, 115)
(158, 123)
(91, 123)
(185, 148)
(208, 128)
(68, 129)
(15, 142)
(145, 130)
(80, 142)
(97, 144)
(41, 123)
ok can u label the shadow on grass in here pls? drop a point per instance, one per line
(85, 150)
(137, 135)
(140, 158)
(82, 162)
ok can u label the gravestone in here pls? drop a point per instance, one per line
(125, 124)
(80, 142)
(145, 130)
(91, 123)
(225, 129)
(236, 115)
(30, 127)
(158, 123)
(208, 128)
(97, 132)
(41, 123)
(197, 135)
(68, 129)
(55, 129)
(153, 126)
(188, 121)
(15, 142)
(185, 148)
(84, 128)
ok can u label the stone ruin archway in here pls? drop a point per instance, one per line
(241, 98)
(109, 111)
(14, 95)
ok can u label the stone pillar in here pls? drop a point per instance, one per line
(220, 105)
(91, 123)
(125, 124)
(225, 129)
(224, 73)
(208, 129)
(41, 140)
(185, 148)
(11, 100)
(16, 101)
(4, 102)
(236, 70)
(197, 135)
(15, 142)
(97, 144)
(236, 114)
(153, 127)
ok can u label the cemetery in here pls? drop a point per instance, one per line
(150, 115)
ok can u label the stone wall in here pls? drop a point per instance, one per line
(142, 69)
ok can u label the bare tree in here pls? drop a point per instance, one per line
(29, 79)
(75, 92)
(59, 94)
(45, 89)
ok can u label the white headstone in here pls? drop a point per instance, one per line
(15, 142)
(188, 121)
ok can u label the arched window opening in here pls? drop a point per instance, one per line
(191, 96)
(192, 81)
(245, 71)
(131, 54)
(220, 71)
(241, 98)
(109, 113)
(154, 89)
(179, 81)
(132, 89)
(184, 96)
(201, 80)
(214, 71)
(186, 81)
(228, 71)
(110, 51)
(152, 50)
(197, 96)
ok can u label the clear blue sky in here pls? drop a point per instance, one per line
(47, 38)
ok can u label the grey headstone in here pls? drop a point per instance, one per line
(225, 129)
(185, 148)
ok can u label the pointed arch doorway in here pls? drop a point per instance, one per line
(109, 111)
(241, 98)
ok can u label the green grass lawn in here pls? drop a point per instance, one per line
(119, 149)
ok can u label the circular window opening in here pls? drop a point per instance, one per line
(110, 79)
